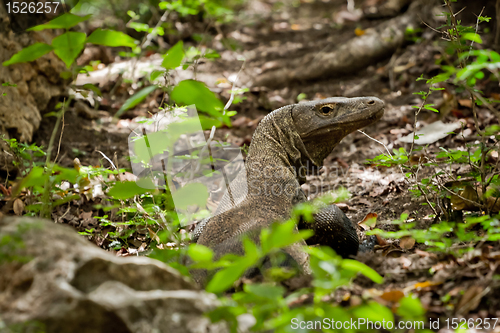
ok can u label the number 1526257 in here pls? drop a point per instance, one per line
(31, 7)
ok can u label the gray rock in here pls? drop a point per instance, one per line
(52, 277)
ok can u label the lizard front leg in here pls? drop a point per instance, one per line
(332, 228)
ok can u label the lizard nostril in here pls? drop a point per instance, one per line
(371, 102)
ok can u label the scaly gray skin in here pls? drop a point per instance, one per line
(287, 143)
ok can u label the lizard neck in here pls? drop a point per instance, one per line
(277, 152)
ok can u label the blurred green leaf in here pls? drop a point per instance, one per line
(191, 194)
(374, 312)
(126, 190)
(94, 88)
(356, 266)
(111, 38)
(430, 108)
(155, 74)
(36, 177)
(473, 37)
(68, 46)
(199, 252)
(174, 56)
(29, 53)
(225, 278)
(190, 92)
(64, 21)
(135, 99)
(410, 307)
(265, 290)
(69, 174)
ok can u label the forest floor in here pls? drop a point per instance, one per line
(446, 287)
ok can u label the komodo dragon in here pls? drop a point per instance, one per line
(283, 147)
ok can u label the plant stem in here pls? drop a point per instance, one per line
(46, 204)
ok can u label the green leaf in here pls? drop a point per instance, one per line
(126, 190)
(64, 21)
(190, 92)
(430, 108)
(191, 194)
(473, 37)
(301, 96)
(36, 177)
(265, 291)
(439, 78)
(135, 99)
(410, 307)
(356, 266)
(251, 250)
(29, 53)
(111, 38)
(282, 235)
(68, 46)
(199, 252)
(225, 278)
(94, 88)
(154, 74)
(479, 75)
(374, 311)
(69, 174)
(174, 56)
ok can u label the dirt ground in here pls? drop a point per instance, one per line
(291, 32)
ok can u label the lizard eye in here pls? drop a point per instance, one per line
(326, 109)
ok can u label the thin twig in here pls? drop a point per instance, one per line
(477, 28)
(388, 152)
(54, 132)
(107, 158)
(60, 140)
(45, 211)
(231, 98)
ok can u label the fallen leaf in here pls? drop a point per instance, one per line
(405, 262)
(5, 191)
(359, 32)
(221, 80)
(406, 242)
(426, 284)
(18, 207)
(371, 293)
(393, 253)
(381, 241)
(154, 236)
(341, 162)
(424, 253)
(86, 215)
(369, 222)
(392, 296)
(470, 300)
(418, 159)
(432, 132)
(465, 103)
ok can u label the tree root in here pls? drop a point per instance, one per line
(353, 55)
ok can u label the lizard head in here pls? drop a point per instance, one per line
(323, 124)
